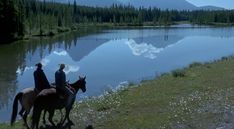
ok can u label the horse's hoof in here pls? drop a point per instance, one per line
(89, 127)
(21, 114)
(59, 125)
(70, 122)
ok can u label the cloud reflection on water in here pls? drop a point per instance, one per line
(144, 49)
(61, 53)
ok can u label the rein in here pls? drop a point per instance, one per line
(76, 86)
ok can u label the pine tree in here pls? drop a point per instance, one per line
(8, 21)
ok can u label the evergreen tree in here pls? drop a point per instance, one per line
(18, 17)
(8, 21)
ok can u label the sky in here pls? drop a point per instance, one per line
(229, 4)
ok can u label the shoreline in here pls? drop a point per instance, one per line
(126, 107)
(63, 30)
(173, 100)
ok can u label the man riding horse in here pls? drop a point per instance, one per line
(27, 96)
(41, 82)
(49, 100)
(62, 86)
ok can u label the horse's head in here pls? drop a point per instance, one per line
(80, 84)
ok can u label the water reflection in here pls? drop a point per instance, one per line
(11, 58)
(108, 58)
(18, 59)
(143, 49)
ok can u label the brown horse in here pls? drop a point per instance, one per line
(26, 99)
(49, 100)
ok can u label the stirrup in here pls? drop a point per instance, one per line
(62, 97)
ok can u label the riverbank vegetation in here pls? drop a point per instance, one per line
(199, 96)
(45, 18)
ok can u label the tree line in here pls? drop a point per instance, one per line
(40, 17)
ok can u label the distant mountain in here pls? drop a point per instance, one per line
(211, 8)
(162, 4)
(98, 3)
(92, 3)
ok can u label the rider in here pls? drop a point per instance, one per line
(61, 85)
(40, 79)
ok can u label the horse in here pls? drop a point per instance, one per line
(26, 98)
(49, 100)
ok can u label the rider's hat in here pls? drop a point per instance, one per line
(39, 65)
(62, 66)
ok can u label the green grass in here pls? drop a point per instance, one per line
(197, 100)
(203, 98)
(17, 125)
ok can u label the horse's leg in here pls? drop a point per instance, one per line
(61, 113)
(25, 119)
(66, 112)
(44, 121)
(22, 111)
(36, 114)
(51, 114)
(37, 125)
(26, 108)
(68, 109)
(68, 115)
(37, 122)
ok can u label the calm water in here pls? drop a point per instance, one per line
(110, 57)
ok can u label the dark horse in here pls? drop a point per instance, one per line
(49, 100)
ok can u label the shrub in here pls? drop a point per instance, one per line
(62, 29)
(224, 58)
(195, 64)
(178, 73)
(51, 33)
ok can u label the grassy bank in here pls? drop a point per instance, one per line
(200, 96)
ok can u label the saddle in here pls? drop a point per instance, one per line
(62, 94)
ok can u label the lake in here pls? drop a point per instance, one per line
(109, 58)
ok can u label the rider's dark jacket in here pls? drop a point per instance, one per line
(60, 80)
(40, 80)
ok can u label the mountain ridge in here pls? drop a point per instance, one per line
(162, 4)
(209, 7)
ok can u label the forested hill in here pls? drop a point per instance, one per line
(162, 4)
(30, 17)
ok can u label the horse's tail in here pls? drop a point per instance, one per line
(15, 107)
(36, 113)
